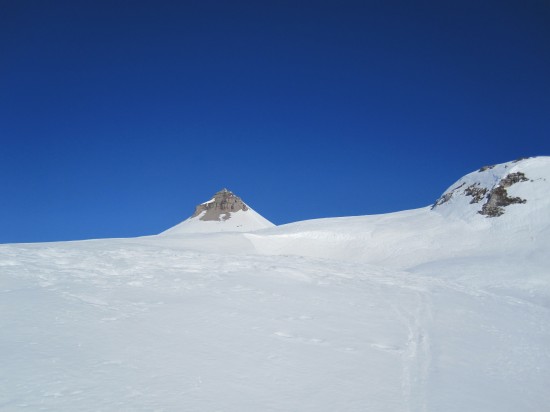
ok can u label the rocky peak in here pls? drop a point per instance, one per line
(220, 207)
(486, 192)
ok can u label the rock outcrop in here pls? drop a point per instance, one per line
(225, 212)
(220, 207)
(498, 197)
(485, 192)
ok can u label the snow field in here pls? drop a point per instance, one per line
(112, 325)
(421, 310)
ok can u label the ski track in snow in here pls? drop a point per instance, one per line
(416, 356)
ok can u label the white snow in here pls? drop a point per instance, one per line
(240, 221)
(421, 310)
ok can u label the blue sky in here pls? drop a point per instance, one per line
(118, 117)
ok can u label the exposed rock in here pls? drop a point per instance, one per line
(513, 178)
(220, 207)
(484, 168)
(477, 193)
(446, 196)
(498, 198)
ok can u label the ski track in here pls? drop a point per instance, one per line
(416, 356)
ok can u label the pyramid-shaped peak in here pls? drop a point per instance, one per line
(225, 212)
(220, 207)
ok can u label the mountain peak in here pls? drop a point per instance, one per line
(491, 190)
(220, 207)
(225, 212)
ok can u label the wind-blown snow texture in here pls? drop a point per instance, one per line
(441, 309)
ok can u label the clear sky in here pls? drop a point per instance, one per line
(118, 117)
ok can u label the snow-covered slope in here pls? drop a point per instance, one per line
(451, 228)
(225, 212)
(519, 188)
(240, 222)
(434, 309)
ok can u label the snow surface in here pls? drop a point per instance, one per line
(422, 310)
(240, 221)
